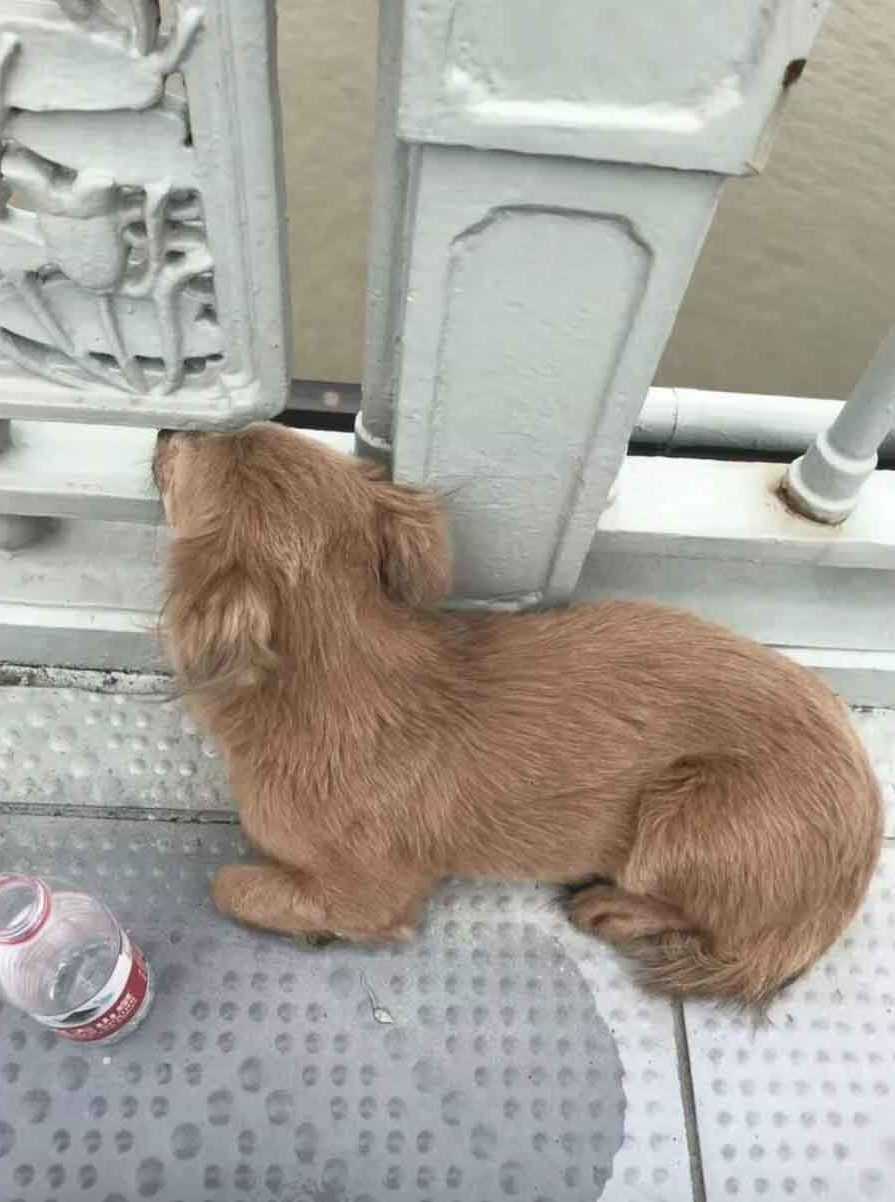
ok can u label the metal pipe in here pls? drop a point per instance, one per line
(825, 482)
(674, 418)
(690, 418)
(373, 428)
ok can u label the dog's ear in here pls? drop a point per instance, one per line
(415, 562)
(219, 623)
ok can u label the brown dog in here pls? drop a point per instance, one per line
(376, 745)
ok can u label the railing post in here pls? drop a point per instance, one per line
(562, 166)
(825, 482)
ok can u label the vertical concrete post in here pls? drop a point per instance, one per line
(554, 170)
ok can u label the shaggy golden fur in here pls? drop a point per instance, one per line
(712, 795)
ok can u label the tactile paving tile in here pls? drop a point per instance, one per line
(81, 746)
(500, 1055)
(804, 1108)
(71, 746)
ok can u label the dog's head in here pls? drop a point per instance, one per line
(278, 541)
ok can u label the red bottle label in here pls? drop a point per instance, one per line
(120, 1012)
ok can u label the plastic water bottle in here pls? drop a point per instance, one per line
(66, 961)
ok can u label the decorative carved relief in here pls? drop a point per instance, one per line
(90, 55)
(105, 273)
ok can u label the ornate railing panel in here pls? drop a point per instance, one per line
(141, 258)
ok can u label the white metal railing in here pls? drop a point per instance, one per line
(545, 178)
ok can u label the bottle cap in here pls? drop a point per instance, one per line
(24, 908)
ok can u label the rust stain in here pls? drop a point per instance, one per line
(793, 72)
(792, 507)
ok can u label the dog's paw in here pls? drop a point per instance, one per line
(569, 890)
(230, 887)
(312, 940)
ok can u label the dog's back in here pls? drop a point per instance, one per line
(729, 800)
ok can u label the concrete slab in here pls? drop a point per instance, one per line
(802, 1108)
(71, 746)
(500, 1055)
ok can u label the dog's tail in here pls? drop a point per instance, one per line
(743, 934)
(682, 964)
(674, 955)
